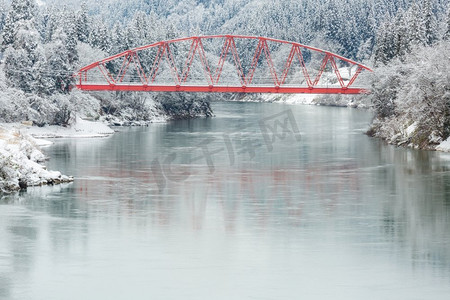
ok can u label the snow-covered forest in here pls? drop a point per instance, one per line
(44, 42)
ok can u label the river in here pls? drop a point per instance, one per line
(264, 201)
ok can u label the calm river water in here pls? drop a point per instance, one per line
(264, 201)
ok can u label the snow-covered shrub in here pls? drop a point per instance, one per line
(84, 105)
(13, 105)
(63, 115)
(42, 109)
(9, 175)
(129, 107)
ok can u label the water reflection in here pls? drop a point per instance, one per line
(337, 201)
(416, 214)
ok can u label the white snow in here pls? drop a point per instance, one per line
(41, 142)
(20, 162)
(411, 128)
(80, 129)
(444, 146)
(300, 99)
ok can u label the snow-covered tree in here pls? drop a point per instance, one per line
(19, 16)
(385, 44)
(401, 31)
(44, 24)
(429, 22)
(99, 35)
(22, 55)
(82, 24)
(70, 38)
(416, 26)
(447, 25)
(59, 63)
(3, 12)
(365, 50)
(117, 39)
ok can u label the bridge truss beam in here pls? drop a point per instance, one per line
(146, 76)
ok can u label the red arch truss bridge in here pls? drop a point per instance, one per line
(224, 63)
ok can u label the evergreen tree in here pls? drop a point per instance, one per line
(70, 39)
(22, 56)
(447, 31)
(42, 81)
(82, 24)
(3, 12)
(384, 51)
(59, 61)
(153, 27)
(416, 26)
(401, 35)
(429, 23)
(171, 32)
(140, 28)
(117, 39)
(21, 12)
(365, 50)
(43, 25)
(99, 36)
(130, 37)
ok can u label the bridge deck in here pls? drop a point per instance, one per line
(222, 89)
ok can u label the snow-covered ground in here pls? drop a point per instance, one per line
(357, 101)
(80, 129)
(21, 162)
(444, 146)
(291, 99)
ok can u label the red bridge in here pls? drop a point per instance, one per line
(224, 63)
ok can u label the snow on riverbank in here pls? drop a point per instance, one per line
(355, 101)
(291, 99)
(330, 80)
(80, 129)
(21, 158)
(444, 146)
(20, 162)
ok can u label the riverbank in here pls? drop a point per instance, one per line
(353, 101)
(406, 133)
(21, 157)
(410, 97)
(79, 129)
(21, 162)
